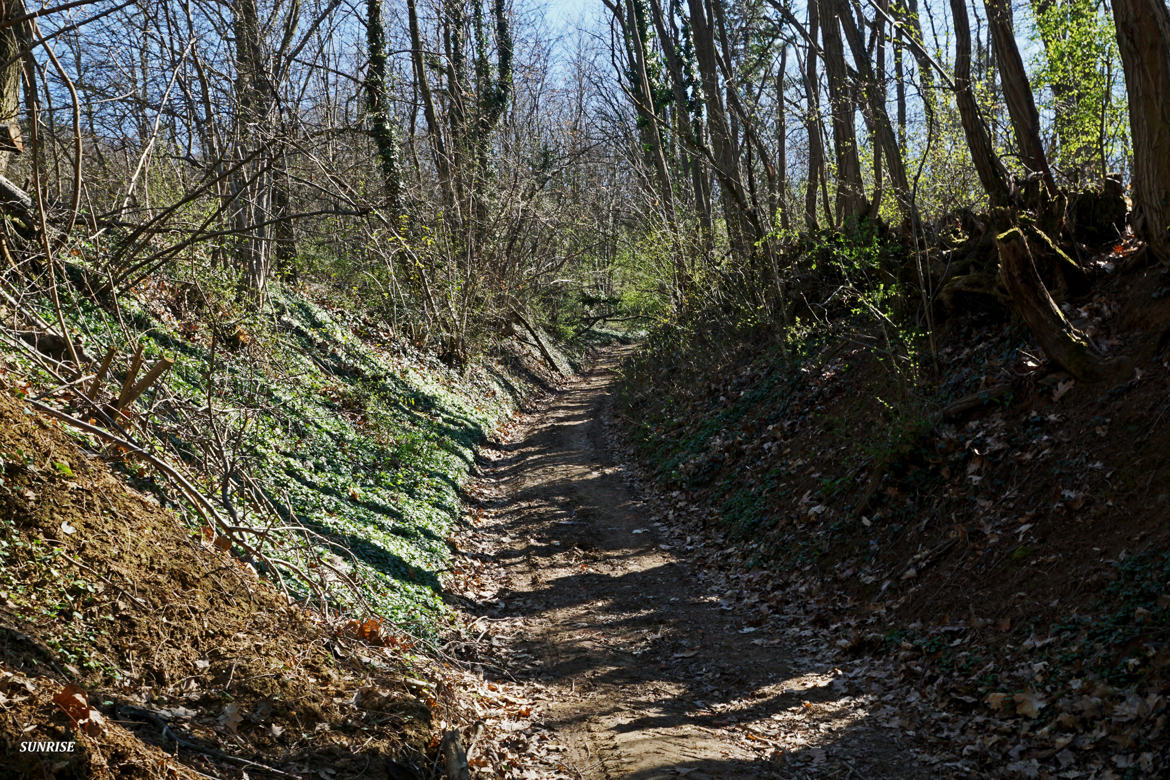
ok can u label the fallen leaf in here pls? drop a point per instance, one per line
(995, 700)
(231, 717)
(72, 701)
(1028, 704)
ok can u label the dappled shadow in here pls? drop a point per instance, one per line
(365, 550)
(675, 672)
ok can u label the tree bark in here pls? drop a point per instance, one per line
(992, 174)
(13, 43)
(689, 122)
(435, 129)
(876, 102)
(851, 203)
(255, 104)
(378, 105)
(1143, 37)
(726, 161)
(816, 148)
(782, 143)
(1017, 92)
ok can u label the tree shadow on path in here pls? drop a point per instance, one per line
(655, 666)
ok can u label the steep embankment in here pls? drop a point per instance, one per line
(184, 659)
(997, 528)
(336, 450)
(337, 446)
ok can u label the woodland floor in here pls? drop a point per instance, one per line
(654, 653)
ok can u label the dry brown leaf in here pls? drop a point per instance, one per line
(72, 701)
(1028, 704)
(231, 717)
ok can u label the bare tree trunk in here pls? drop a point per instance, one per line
(816, 149)
(1017, 91)
(726, 162)
(910, 23)
(900, 89)
(992, 174)
(13, 42)
(851, 203)
(1143, 37)
(876, 101)
(652, 122)
(689, 123)
(430, 112)
(782, 143)
(251, 184)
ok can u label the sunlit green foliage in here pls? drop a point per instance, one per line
(1078, 77)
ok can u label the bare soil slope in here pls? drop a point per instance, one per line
(994, 527)
(185, 663)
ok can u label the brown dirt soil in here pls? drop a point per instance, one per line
(1012, 559)
(655, 654)
(195, 667)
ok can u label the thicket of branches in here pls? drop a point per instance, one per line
(436, 159)
(456, 170)
(989, 143)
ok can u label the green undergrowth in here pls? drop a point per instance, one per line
(356, 443)
(1133, 624)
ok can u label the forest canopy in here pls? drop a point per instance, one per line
(458, 166)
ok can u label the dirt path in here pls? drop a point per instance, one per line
(652, 664)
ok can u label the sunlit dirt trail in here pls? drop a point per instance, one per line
(650, 666)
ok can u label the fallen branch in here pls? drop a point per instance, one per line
(149, 716)
(548, 358)
(984, 397)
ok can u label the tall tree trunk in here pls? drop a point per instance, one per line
(782, 143)
(816, 148)
(726, 162)
(851, 203)
(492, 96)
(910, 34)
(636, 32)
(876, 102)
(689, 122)
(253, 96)
(456, 94)
(1017, 91)
(378, 105)
(1143, 37)
(992, 174)
(13, 42)
(435, 129)
(900, 90)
